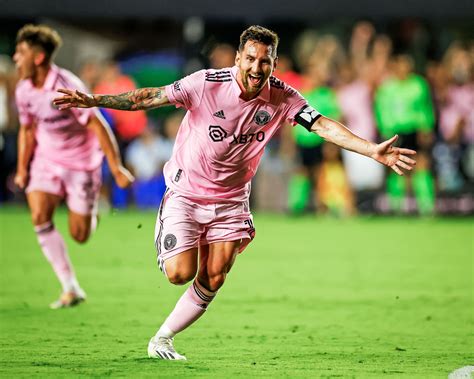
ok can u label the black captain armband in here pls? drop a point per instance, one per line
(307, 116)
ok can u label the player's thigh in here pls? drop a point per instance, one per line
(82, 193)
(177, 234)
(182, 268)
(42, 206)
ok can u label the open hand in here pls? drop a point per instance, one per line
(394, 157)
(74, 99)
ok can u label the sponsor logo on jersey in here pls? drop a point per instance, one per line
(216, 133)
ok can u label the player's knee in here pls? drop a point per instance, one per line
(38, 218)
(216, 281)
(181, 276)
(80, 235)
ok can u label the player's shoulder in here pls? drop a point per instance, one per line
(282, 92)
(218, 75)
(278, 85)
(68, 79)
(23, 86)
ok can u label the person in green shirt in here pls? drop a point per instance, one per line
(309, 145)
(403, 106)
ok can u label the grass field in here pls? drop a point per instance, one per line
(311, 297)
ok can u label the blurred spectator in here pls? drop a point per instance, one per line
(309, 145)
(146, 156)
(222, 55)
(90, 72)
(379, 60)
(328, 55)
(454, 153)
(286, 72)
(335, 196)
(403, 106)
(128, 125)
(8, 125)
(362, 35)
(356, 102)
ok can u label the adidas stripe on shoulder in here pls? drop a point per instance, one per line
(218, 76)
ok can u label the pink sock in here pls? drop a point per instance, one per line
(188, 309)
(54, 249)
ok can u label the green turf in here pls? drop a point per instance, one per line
(311, 297)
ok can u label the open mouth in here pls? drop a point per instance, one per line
(255, 80)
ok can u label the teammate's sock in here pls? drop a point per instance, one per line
(53, 247)
(188, 309)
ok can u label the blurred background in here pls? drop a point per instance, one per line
(381, 68)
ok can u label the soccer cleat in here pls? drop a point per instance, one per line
(69, 299)
(162, 348)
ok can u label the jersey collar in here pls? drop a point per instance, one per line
(51, 78)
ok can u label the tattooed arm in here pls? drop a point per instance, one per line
(139, 99)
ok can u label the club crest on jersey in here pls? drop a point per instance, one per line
(216, 133)
(170, 241)
(262, 117)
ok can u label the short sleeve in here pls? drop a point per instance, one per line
(187, 92)
(300, 112)
(22, 106)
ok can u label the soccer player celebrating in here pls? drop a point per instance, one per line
(204, 220)
(59, 154)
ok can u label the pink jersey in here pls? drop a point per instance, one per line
(222, 137)
(61, 136)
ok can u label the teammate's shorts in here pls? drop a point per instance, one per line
(80, 189)
(183, 224)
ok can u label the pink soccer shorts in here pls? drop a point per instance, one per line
(80, 189)
(183, 224)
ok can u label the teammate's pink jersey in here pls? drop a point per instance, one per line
(61, 136)
(222, 137)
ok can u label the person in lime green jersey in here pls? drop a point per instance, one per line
(403, 106)
(308, 145)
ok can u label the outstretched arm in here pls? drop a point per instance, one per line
(139, 99)
(394, 157)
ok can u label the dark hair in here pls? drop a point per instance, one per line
(260, 34)
(42, 36)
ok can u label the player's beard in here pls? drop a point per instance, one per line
(249, 87)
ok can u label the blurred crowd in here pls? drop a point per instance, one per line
(367, 83)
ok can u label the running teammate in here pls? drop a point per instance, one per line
(59, 154)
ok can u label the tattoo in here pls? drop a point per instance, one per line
(139, 99)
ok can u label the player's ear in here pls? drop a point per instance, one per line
(40, 58)
(237, 58)
(275, 63)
